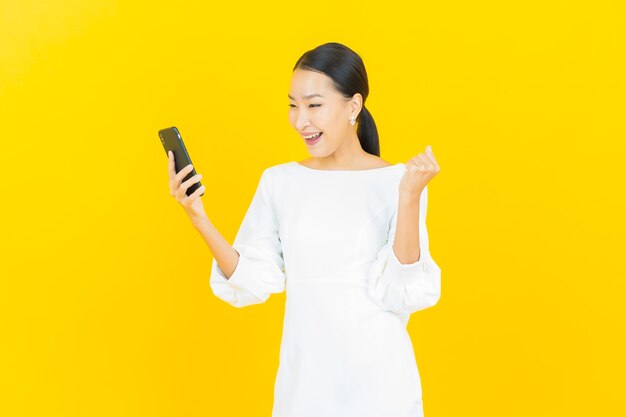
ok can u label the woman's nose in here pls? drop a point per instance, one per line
(302, 120)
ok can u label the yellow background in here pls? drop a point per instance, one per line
(106, 307)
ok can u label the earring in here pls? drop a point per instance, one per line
(352, 121)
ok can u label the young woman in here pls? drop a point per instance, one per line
(344, 233)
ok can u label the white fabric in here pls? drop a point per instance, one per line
(326, 237)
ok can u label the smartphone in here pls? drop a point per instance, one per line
(173, 141)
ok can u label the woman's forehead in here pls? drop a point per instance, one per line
(305, 83)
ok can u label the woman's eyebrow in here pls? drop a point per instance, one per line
(307, 96)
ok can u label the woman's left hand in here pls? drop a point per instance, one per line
(419, 171)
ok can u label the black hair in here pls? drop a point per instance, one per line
(345, 67)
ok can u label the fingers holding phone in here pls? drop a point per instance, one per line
(178, 188)
(184, 182)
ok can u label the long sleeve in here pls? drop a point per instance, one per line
(405, 288)
(260, 270)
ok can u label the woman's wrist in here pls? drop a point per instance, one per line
(410, 197)
(199, 221)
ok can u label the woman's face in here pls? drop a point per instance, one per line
(316, 106)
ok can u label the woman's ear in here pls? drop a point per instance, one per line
(356, 104)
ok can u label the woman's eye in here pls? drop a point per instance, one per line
(315, 105)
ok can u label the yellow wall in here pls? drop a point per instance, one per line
(106, 308)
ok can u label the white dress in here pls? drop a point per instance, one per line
(326, 236)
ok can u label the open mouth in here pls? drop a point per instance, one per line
(314, 139)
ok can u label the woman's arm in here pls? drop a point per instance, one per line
(253, 268)
(225, 255)
(407, 244)
(419, 171)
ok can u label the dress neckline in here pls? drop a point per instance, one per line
(345, 170)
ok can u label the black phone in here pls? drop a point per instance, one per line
(173, 141)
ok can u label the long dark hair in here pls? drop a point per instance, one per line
(345, 67)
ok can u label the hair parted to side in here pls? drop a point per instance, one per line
(345, 67)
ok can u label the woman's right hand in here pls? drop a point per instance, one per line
(193, 203)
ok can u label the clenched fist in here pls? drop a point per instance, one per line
(419, 171)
